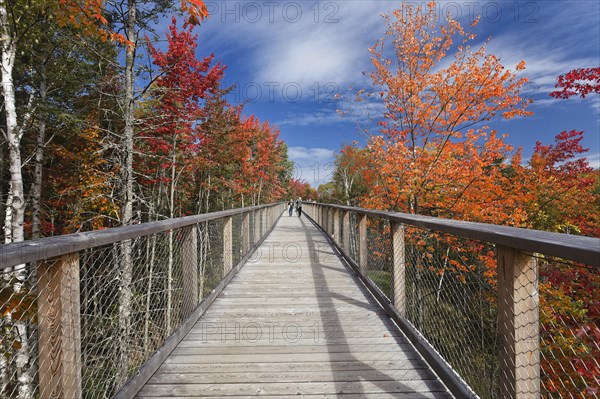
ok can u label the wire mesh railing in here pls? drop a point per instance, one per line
(81, 314)
(511, 313)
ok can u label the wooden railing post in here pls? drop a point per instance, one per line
(336, 226)
(346, 231)
(190, 271)
(399, 267)
(330, 222)
(362, 238)
(518, 324)
(256, 226)
(319, 215)
(269, 218)
(227, 245)
(59, 327)
(322, 214)
(245, 233)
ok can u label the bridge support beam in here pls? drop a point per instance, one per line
(518, 324)
(59, 327)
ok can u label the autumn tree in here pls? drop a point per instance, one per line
(180, 91)
(351, 167)
(578, 82)
(16, 21)
(300, 189)
(433, 102)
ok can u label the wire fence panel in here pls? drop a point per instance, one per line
(451, 300)
(82, 324)
(569, 329)
(509, 322)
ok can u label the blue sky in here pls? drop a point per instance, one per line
(289, 58)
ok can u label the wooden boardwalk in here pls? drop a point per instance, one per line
(295, 322)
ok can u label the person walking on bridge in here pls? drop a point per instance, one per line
(290, 207)
(299, 206)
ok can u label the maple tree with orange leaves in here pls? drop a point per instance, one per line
(430, 156)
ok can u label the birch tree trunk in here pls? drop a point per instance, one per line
(14, 227)
(36, 190)
(125, 295)
(17, 366)
(171, 248)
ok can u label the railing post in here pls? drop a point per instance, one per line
(227, 245)
(322, 216)
(245, 233)
(59, 327)
(399, 267)
(363, 250)
(260, 223)
(190, 271)
(346, 231)
(336, 226)
(518, 324)
(256, 226)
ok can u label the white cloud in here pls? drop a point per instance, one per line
(314, 165)
(315, 48)
(302, 154)
(313, 118)
(594, 160)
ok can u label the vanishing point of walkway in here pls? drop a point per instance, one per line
(295, 322)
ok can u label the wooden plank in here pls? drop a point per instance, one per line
(271, 338)
(379, 395)
(59, 327)
(306, 376)
(261, 367)
(286, 388)
(389, 347)
(373, 325)
(291, 357)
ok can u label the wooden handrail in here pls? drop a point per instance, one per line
(51, 247)
(566, 246)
